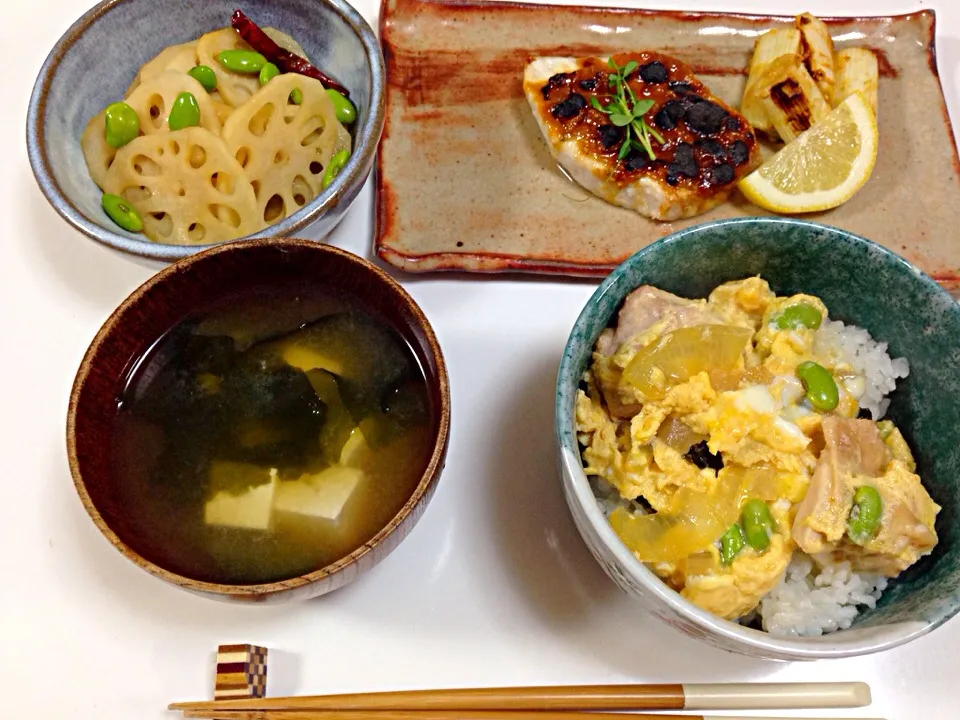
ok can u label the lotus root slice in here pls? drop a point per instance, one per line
(187, 187)
(284, 147)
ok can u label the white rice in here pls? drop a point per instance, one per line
(809, 602)
(813, 598)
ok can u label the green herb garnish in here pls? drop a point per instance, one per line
(626, 111)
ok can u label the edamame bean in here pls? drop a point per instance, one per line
(731, 544)
(821, 388)
(204, 75)
(268, 72)
(122, 124)
(184, 113)
(865, 515)
(296, 97)
(794, 317)
(346, 112)
(334, 167)
(757, 524)
(247, 62)
(121, 212)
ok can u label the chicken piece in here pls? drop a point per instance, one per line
(647, 306)
(822, 515)
(706, 148)
(856, 445)
(852, 448)
(906, 529)
(855, 455)
(646, 314)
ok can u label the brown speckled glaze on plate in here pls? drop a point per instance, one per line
(466, 182)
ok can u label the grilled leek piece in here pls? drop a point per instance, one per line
(769, 47)
(791, 99)
(796, 77)
(856, 70)
(817, 51)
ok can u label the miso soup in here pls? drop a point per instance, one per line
(269, 436)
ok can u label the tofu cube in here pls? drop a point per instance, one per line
(322, 496)
(250, 508)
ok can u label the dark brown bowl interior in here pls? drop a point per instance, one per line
(167, 298)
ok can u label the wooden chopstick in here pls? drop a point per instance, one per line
(409, 715)
(453, 715)
(729, 696)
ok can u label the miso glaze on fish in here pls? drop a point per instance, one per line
(708, 146)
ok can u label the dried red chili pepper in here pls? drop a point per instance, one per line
(283, 59)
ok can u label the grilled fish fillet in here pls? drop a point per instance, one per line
(707, 145)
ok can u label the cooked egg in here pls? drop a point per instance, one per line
(705, 429)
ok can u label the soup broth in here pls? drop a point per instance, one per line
(268, 436)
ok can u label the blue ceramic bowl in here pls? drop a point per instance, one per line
(96, 59)
(861, 283)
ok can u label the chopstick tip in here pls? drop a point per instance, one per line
(861, 694)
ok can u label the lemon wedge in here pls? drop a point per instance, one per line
(823, 167)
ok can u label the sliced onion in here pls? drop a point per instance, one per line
(697, 520)
(679, 355)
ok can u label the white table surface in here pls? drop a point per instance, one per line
(493, 587)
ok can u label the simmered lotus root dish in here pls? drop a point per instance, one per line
(738, 446)
(283, 147)
(214, 141)
(189, 189)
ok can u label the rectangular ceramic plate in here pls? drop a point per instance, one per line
(466, 182)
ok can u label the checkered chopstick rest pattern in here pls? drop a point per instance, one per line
(241, 672)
